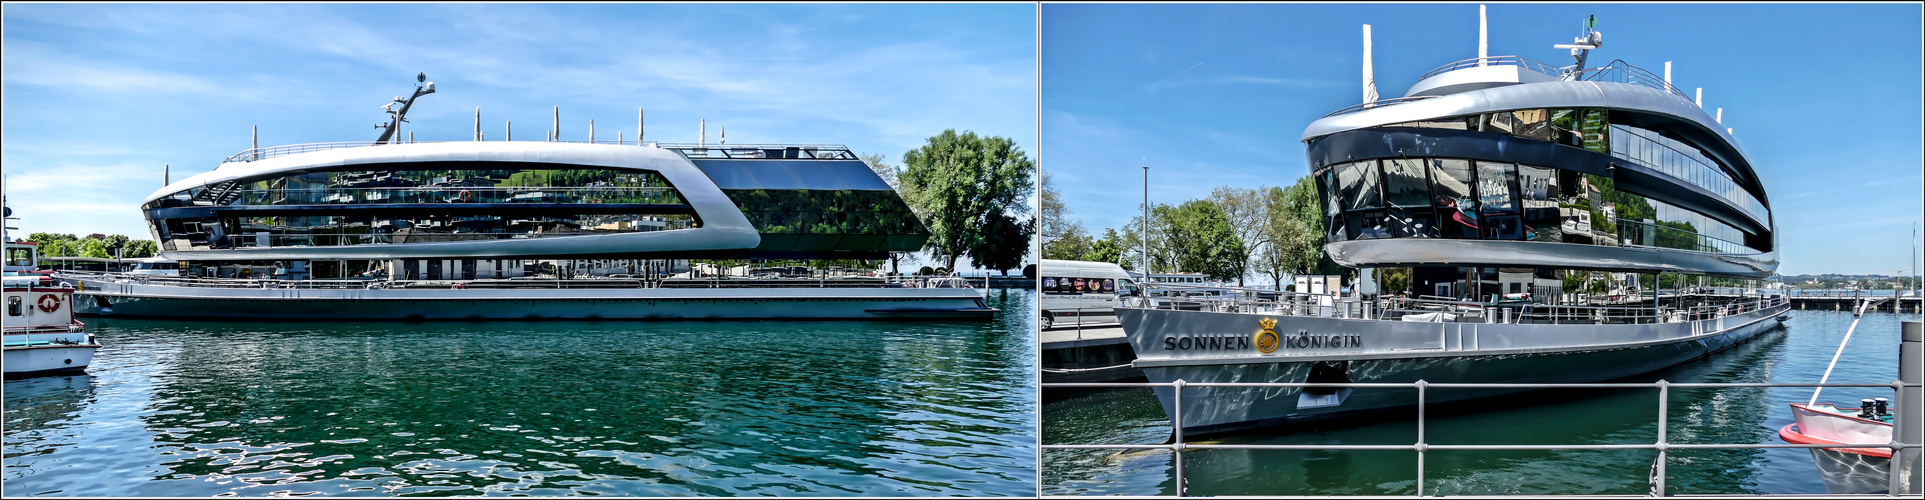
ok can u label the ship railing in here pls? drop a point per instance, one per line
(1662, 445)
(1617, 71)
(1495, 61)
(1623, 72)
(1292, 303)
(1378, 104)
(692, 150)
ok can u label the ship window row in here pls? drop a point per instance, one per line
(848, 212)
(1466, 199)
(342, 230)
(459, 185)
(1590, 128)
(1684, 162)
(1576, 127)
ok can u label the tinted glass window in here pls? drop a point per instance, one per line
(1404, 184)
(1451, 183)
(1360, 185)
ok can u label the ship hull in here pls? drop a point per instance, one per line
(134, 300)
(1398, 352)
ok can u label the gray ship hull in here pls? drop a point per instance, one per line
(1376, 351)
(134, 300)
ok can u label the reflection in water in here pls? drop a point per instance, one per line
(1576, 416)
(622, 408)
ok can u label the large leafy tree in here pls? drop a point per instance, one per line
(1107, 249)
(139, 249)
(1005, 241)
(960, 182)
(1246, 210)
(1057, 229)
(1203, 241)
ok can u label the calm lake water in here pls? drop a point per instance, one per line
(179, 408)
(1797, 352)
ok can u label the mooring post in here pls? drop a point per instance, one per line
(1911, 407)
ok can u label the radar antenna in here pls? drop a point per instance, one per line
(1581, 47)
(398, 116)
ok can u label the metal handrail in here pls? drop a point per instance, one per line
(815, 151)
(1495, 61)
(1617, 71)
(1177, 444)
(1378, 104)
(1623, 72)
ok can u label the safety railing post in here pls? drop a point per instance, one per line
(1422, 444)
(1176, 448)
(1664, 413)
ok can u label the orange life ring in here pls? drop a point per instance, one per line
(465, 195)
(49, 302)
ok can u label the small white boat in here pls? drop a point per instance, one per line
(41, 335)
(1846, 470)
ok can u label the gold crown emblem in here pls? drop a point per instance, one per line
(1267, 339)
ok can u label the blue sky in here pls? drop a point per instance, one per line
(98, 97)
(1825, 99)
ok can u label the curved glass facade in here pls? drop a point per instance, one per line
(399, 205)
(1590, 128)
(1467, 199)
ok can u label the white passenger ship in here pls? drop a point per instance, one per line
(455, 230)
(1491, 181)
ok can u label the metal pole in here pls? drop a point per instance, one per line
(1146, 222)
(591, 130)
(1664, 412)
(1422, 388)
(1911, 405)
(555, 133)
(638, 126)
(508, 127)
(477, 123)
(1177, 423)
(257, 143)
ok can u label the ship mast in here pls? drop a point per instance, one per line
(1581, 47)
(397, 117)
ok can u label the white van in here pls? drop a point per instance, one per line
(1071, 288)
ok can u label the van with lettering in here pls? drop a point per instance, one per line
(1079, 289)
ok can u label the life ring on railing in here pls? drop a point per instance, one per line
(465, 195)
(459, 286)
(48, 302)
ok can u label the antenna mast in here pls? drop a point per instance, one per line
(1581, 47)
(397, 117)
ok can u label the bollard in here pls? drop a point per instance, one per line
(1911, 406)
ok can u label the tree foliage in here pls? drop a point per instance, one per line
(1246, 211)
(960, 182)
(95, 245)
(1005, 241)
(1203, 242)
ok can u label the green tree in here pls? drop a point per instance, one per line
(1107, 249)
(1246, 211)
(1297, 224)
(1005, 242)
(1057, 229)
(1204, 242)
(139, 249)
(1069, 246)
(95, 248)
(960, 181)
(115, 243)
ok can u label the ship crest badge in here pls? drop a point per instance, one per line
(1267, 340)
